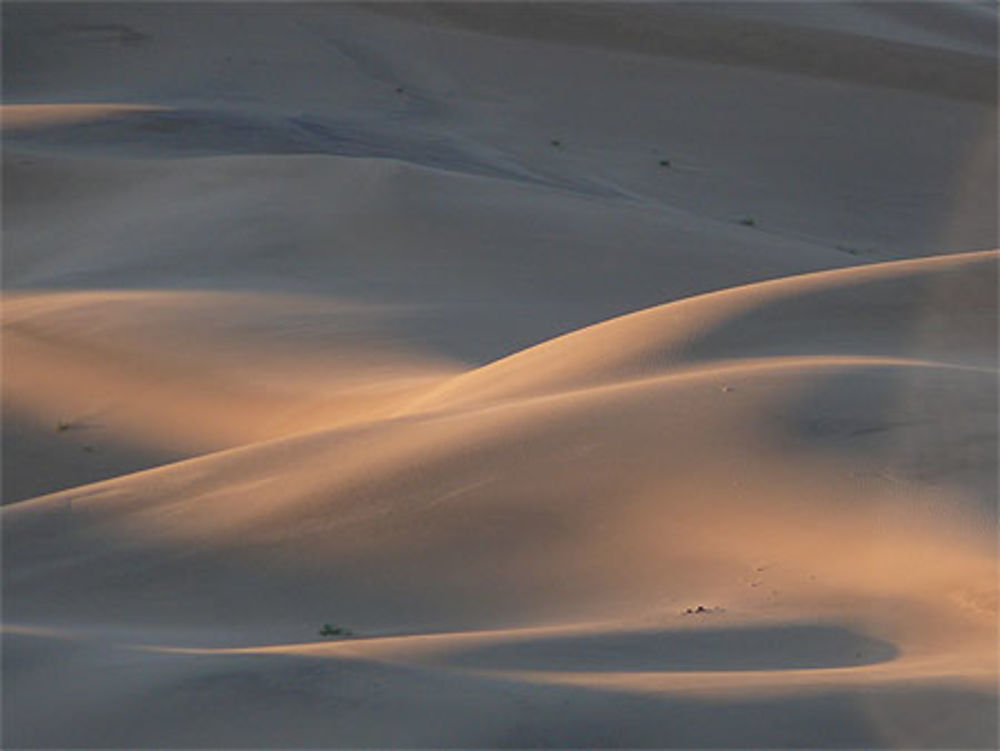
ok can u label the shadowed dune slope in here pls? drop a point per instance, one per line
(951, 54)
(334, 78)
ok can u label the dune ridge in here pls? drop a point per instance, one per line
(645, 342)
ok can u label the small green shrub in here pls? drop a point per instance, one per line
(330, 629)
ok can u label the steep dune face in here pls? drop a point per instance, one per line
(619, 379)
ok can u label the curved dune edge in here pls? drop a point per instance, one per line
(661, 337)
(275, 678)
(726, 665)
(16, 117)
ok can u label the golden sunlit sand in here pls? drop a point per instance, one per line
(518, 375)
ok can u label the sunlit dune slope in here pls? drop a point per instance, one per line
(107, 382)
(890, 310)
(152, 359)
(566, 502)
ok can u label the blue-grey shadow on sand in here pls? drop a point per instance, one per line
(780, 647)
(187, 133)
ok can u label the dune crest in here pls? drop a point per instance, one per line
(876, 308)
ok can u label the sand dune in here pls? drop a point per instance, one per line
(787, 488)
(617, 377)
(118, 375)
(874, 310)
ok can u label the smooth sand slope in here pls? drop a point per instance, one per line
(307, 320)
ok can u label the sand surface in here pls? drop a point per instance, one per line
(619, 376)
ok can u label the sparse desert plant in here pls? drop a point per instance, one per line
(748, 221)
(556, 142)
(63, 425)
(330, 629)
(664, 162)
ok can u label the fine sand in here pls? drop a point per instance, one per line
(617, 375)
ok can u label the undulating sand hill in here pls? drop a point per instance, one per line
(619, 375)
